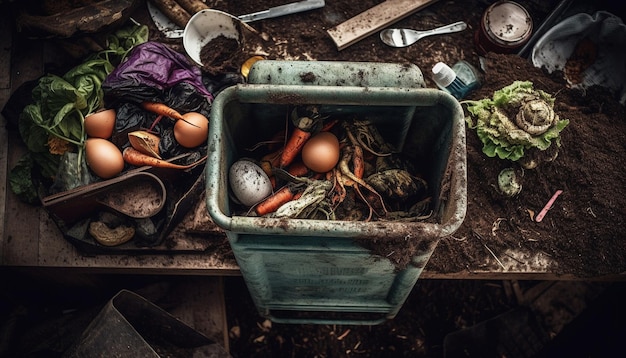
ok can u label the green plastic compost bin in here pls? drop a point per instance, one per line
(319, 271)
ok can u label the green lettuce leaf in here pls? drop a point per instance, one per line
(500, 135)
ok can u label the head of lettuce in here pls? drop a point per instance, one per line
(515, 120)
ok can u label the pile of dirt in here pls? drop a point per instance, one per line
(582, 231)
(216, 56)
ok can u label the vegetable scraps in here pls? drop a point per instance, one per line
(53, 124)
(514, 120)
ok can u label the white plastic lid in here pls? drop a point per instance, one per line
(443, 75)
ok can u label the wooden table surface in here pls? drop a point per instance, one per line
(29, 238)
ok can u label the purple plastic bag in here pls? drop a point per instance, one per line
(150, 69)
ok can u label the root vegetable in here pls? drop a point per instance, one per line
(304, 127)
(192, 6)
(134, 157)
(294, 146)
(173, 11)
(162, 109)
(275, 201)
(357, 161)
(298, 169)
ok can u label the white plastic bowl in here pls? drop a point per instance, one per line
(206, 25)
(606, 31)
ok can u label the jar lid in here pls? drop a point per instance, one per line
(508, 23)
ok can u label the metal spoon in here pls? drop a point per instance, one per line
(407, 37)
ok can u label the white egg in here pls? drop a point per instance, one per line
(248, 182)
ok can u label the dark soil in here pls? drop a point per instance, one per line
(418, 330)
(582, 231)
(218, 54)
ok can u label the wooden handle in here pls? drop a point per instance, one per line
(173, 11)
(373, 20)
(192, 6)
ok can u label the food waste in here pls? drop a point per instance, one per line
(325, 168)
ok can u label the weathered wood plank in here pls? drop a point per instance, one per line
(21, 235)
(200, 304)
(5, 92)
(374, 19)
(6, 41)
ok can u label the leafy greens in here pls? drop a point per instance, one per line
(515, 119)
(54, 121)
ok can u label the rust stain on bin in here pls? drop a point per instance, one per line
(285, 98)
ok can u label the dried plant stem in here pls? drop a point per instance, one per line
(344, 334)
(494, 256)
(480, 238)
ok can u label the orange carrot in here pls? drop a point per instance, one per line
(162, 109)
(298, 169)
(294, 146)
(329, 125)
(134, 157)
(275, 201)
(357, 161)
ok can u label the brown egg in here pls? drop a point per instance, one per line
(321, 152)
(103, 157)
(100, 124)
(194, 134)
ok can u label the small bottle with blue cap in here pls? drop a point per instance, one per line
(458, 80)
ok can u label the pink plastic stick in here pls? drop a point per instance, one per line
(548, 206)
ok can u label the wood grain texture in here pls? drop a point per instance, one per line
(373, 20)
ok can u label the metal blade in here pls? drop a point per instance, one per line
(282, 10)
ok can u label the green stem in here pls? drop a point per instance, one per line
(75, 142)
(81, 147)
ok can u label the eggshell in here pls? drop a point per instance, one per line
(248, 182)
(321, 152)
(103, 157)
(100, 124)
(189, 136)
